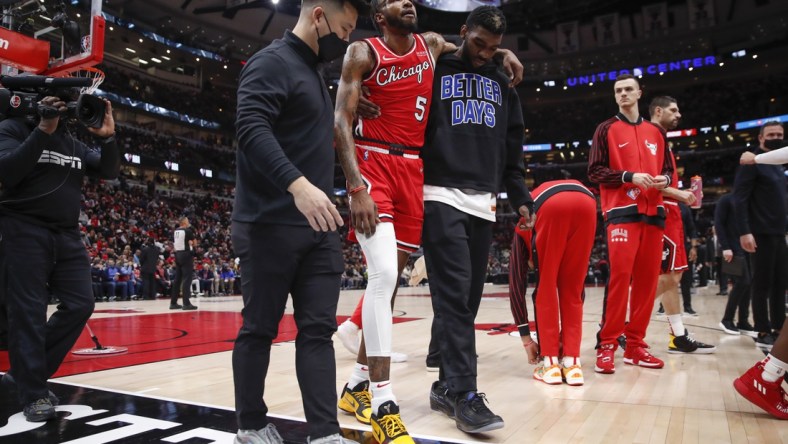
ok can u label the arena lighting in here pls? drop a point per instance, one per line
(640, 71)
(537, 147)
(759, 122)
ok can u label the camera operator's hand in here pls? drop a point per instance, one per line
(108, 128)
(57, 106)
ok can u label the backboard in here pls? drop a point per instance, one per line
(51, 37)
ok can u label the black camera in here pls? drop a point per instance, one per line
(83, 108)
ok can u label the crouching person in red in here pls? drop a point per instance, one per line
(563, 237)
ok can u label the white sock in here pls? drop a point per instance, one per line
(550, 360)
(381, 393)
(359, 375)
(350, 324)
(570, 361)
(773, 369)
(676, 325)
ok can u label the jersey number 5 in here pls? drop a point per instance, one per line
(421, 103)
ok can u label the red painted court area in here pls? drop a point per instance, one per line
(161, 337)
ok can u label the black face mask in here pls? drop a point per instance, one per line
(330, 46)
(774, 144)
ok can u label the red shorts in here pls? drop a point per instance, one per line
(674, 255)
(396, 184)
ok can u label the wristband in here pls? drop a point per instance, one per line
(109, 139)
(353, 191)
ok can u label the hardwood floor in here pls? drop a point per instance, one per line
(691, 400)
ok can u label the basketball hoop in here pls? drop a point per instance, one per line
(94, 74)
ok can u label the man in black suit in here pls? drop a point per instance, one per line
(148, 260)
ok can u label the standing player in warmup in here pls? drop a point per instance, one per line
(629, 163)
(664, 111)
(563, 237)
(380, 159)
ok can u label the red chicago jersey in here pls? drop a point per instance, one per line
(402, 86)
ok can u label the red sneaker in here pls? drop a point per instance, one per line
(605, 359)
(640, 356)
(769, 396)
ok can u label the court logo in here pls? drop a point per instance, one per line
(619, 235)
(652, 147)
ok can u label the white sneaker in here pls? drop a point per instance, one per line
(347, 333)
(336, 438)
(398, 357)
(266, 435)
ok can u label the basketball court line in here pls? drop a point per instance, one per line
(95, 415)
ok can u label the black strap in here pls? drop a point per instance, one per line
(552, 191)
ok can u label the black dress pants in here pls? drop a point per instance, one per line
(184, 272)
(277, 260)
(768, 282)
(456, 249)
(739, 296)
(35, 261)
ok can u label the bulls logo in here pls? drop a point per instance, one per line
(15, 101)
(652, 147)
(619, 235)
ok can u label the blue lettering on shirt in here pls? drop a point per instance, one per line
(477, 95)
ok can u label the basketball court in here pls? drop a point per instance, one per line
(174, 384)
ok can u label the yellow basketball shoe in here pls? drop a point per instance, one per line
(357, 401)
(387, 425)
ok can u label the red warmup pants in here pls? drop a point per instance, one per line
(635, 251)
(565, 227)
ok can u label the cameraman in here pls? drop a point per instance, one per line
(41, 170)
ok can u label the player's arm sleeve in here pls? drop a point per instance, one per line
(743, 187)
(20, 150)
(104, 163)
(514, 170)
(262, 93)
(518, 283)
(774, 157)
(599, 170)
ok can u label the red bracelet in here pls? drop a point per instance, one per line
(356, 190)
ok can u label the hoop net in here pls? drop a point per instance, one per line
(94, 74)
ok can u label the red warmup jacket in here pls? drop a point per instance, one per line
(619, 149)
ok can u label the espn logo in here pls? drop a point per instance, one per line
(60, 159)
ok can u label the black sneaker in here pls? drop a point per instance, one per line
(176, 306)
(189, 307)
(688, 344)
(441, 400)
(746, 329)
(473, 416)
(729, 327)
(661, 310)
(764, 341)
(41, 410)
(690, 312)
